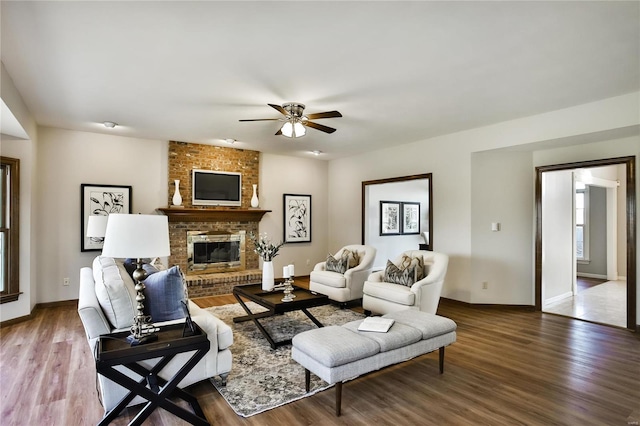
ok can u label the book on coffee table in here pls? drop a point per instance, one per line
(377, 324)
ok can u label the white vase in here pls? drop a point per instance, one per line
(177, 198)
(254, 199)
(267, 276)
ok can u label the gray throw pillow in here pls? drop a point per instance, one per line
(337, 265)
(393, 274)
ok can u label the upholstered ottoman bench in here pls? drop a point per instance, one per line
(339, 353)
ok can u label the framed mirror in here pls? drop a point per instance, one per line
(413, 195)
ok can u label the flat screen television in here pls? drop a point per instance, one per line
(214, 188)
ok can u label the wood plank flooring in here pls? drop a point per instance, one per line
(508, 367)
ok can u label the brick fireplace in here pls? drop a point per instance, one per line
(183, 157)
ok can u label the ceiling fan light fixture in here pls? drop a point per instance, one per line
(293, 129)
(287, 129)
(299, 130)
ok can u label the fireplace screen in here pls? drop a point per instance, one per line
(214, 251)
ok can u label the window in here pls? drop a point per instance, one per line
(582, 222)
(9, 229)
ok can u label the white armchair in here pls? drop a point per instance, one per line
(217, 362)
(385, 297)
(345, 287)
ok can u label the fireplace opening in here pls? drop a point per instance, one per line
(215, 251)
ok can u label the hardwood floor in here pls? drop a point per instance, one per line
(508, 367)
(584, 283)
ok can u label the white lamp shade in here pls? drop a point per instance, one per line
(97, 226)
(136, 236)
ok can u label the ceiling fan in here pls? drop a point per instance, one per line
(295, 122)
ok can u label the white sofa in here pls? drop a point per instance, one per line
(217, 362)
(382, 297)
(345, 287)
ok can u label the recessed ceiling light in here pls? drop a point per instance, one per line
(230, 141)
(110, 124)
(316, 152)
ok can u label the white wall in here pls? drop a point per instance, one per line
(558, 258)
(27, 152)
(69, 159)
(501, 191)
(451, 168)
(448, 158)
(292, 175)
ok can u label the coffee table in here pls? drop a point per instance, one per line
(272, 300)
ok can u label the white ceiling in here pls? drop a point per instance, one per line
(398, 71)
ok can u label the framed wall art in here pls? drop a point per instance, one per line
(101, 200)
(297, 218)
(410, 218)
(389, 217)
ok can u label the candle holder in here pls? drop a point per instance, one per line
(288, 291)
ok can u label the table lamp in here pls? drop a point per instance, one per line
(137, 236)
(96, 228)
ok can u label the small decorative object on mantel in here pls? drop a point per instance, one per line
(255, 202)
(267, 251)
(177, 198)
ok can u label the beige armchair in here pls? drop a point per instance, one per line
(345, 287)
(384, 297)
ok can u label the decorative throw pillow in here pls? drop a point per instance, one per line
(115, 291)
(393, 274)
(353, 258)
(164, 294)
(417, 262)
(337, 265)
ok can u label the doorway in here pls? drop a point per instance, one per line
(557, 257)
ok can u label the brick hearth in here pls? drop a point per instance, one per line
(221, 283)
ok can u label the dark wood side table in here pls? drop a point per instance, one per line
(113, 350)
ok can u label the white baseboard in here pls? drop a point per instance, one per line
(587, 275)
(557, 298)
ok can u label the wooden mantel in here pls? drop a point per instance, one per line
(213, 215)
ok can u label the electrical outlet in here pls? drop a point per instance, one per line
(65, 281)
(485, 285)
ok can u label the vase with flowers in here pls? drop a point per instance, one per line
(267, 250)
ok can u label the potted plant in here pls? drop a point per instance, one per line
(267, 250)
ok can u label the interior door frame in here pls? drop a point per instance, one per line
(631, 219)
(367, 183)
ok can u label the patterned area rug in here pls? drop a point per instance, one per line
(262, 378)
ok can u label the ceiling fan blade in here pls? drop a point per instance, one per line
(279, 132)
(328, 114)
(279, 108)
(261, 119)
(320, 127)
